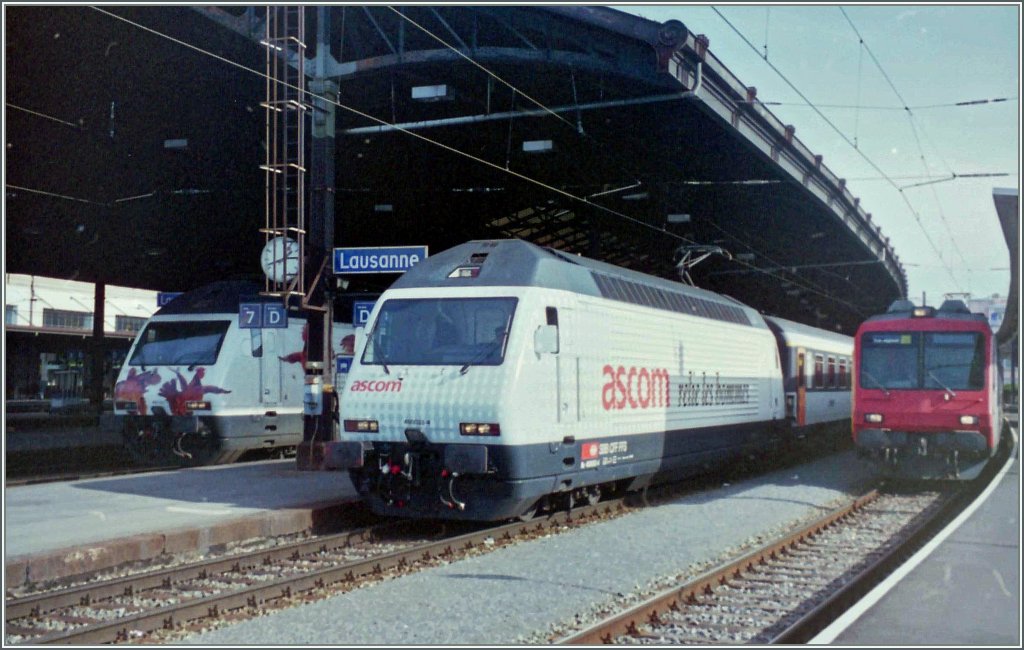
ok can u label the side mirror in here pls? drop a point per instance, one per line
(545, 339)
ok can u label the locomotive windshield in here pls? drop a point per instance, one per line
(181, 343)
(922, 360)
(441, 331)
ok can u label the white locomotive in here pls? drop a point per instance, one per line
(500, 379)
(197, 388)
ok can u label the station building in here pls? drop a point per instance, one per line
(49, 327)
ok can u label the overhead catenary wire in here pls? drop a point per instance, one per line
(379, 121)
(945, 179)
(43, 115)
(484, 69)
(767, 16)
(577, 128)
(779, 270)
(382, 122)
(53, 194)
(517, 91)
(861, 107)
(860, 75)
(846, 139)
(913, 129)
(495, 166)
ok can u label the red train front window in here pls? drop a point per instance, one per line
(954, 361)
(922, 361)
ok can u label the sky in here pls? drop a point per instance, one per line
(932, 55)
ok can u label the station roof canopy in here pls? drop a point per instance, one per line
(135, 137)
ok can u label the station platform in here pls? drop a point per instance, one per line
(961, 589)
(58, 530)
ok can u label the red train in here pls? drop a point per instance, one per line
(927, 401)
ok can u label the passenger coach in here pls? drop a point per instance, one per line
(817, 366)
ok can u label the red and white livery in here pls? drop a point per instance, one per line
(927, 400)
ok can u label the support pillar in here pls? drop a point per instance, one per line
(321, 428)
(97, 349)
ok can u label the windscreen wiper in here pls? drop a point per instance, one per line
(939, 382)
(486, 352)
(874, 379)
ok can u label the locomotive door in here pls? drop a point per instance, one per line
(567, 368)
(271, 368)
(801, 387)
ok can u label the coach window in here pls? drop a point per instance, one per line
(819, 371)
(831, 372)
(843, 377)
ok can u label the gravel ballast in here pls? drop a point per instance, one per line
(522, 593)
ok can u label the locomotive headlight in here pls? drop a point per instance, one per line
(479, 429)
(969, 419)
(197, 405)
(361, 426)
(873, 418)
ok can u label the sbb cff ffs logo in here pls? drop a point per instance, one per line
(634, 388)
(379, 386)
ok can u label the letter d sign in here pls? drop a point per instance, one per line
(274, 315)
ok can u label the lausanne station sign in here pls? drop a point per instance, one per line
(384, 259)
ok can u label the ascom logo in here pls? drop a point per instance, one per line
(379, 386)
(634, 388)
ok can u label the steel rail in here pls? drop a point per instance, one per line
(86, 594)
(818, 618)
(628, 622)
(213, 606)
(163, 578)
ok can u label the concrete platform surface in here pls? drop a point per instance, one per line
(966, 592)
(55, 530)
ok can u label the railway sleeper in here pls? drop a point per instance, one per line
(724, 612)
(723, 632)
(15, 629)
(798, 592)
(796, 573)
(741, 599)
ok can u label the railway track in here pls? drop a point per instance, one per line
(791, 588)
(161, 603)
(153, 605)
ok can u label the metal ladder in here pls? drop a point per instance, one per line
(285, 138)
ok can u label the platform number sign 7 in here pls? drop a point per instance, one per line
(250, 315)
